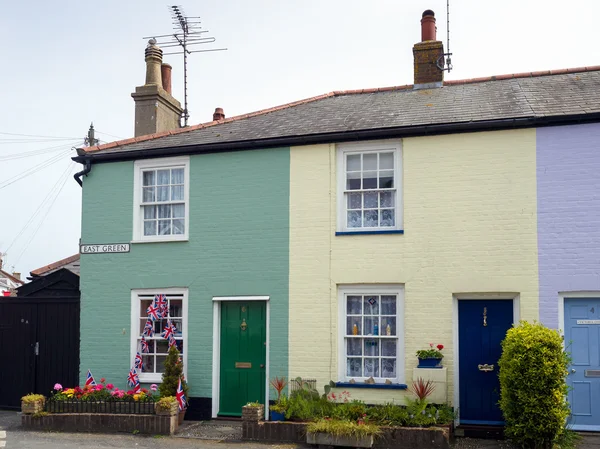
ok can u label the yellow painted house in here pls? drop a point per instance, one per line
(330, 238)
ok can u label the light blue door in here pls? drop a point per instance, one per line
(582, 338)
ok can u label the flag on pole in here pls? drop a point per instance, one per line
(181, 396)
(89, 380)
(144, 345)
(133, 380)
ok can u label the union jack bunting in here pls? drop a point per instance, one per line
(139, 363)
(144, 345)
(154, 313)
(169, 330)
(89, 380)
(160, 301)
(172, 342)
(181, 396)
(133, 379)
(149, 329)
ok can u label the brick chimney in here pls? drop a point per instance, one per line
(428, 54)
(155, 108)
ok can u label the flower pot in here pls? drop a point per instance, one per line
(31, 408)
(181, 417)
(252, 413)
(429, 363)
(276, 416)
(326, 439)
(174, 410)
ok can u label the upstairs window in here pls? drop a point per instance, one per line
(161, 199)
(369, 187)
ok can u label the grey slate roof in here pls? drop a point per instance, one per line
(471, 101)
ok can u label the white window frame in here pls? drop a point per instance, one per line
(366, 147)
(135, 327)
(374, 289)
(138, 210)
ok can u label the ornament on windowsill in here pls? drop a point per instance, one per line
(370, 381)
(388, 382)
(355, 329)
(352, 381)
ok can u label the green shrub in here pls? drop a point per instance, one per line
(307, 405)
(349, 411)
(533, 388)
(173, 372)
(343, 428)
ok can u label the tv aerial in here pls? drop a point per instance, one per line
(187, 33)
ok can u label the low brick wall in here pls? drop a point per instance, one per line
(391, 437)
(102, 422)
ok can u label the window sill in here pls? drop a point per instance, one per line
(373, 386)
(390, 231)
(135, 242)
(151, 379)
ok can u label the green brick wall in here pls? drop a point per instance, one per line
(238, 245)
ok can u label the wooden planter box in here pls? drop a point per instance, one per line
(32, 407)
(327, 439)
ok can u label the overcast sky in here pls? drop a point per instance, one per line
(67, 63)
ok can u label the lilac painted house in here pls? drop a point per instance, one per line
(568, 198)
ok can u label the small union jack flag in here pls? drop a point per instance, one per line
(172, 342)
(160, 301)
(169, 330)
(149, 329)
(144, 345)
(139, 363)
(133, 379)
(181, 396)
(154, 313)
(89, 380)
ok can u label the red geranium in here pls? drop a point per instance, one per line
(440, 347)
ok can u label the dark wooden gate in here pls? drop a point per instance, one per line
(39, 337)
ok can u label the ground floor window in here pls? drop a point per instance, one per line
(371, 337)
(145, 328)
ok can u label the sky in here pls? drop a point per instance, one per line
(69, 63)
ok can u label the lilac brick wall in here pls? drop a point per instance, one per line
(568, 198)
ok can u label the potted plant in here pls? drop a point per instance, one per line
(32, 403)
(278, 409)
(430, 357)
(170, 378)
(166, 406)
(253, 411)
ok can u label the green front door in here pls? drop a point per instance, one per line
(243, 349)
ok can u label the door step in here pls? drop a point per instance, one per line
(479, 431)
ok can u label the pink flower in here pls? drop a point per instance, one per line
(110, 386)
(121, 394)
(57, 387)
(154, 387)
(99, 387)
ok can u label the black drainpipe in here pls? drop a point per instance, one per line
(86, 169)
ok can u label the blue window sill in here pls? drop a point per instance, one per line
(394, 231)
(373, 386)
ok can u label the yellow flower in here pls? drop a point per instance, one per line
(136, 397)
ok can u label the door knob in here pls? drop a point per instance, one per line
(262, 365)
(573, 370)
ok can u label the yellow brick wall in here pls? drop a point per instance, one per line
(469, 223)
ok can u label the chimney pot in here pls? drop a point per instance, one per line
(428, 28)
(153, 62)
(165, 72)
(218, 114)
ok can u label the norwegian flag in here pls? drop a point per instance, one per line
(139, 363)
(172, 342)
(144, 345)
(133, 380)
(149, 329)
(89, 380)
(154, 313)
(169, 330)
(160, 301)
(181, 396)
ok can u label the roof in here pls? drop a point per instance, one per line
(525, 97)
(55, 265)
(11, 277)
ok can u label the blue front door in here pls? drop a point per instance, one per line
(482, 325)
(582, 335)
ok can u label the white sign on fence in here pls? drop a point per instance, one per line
(105, 248)
(588, 321)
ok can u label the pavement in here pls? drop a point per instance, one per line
(192, 435)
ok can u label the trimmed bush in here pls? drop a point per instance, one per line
(533, 388)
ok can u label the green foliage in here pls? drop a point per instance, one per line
(165, 403)
(39, 414)
(31, 398)
(173, 372)
(253, 404)
(343, 428)
(533, 388)
(349, 411)
(305, 404)
(281, 406)
(433, 352)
